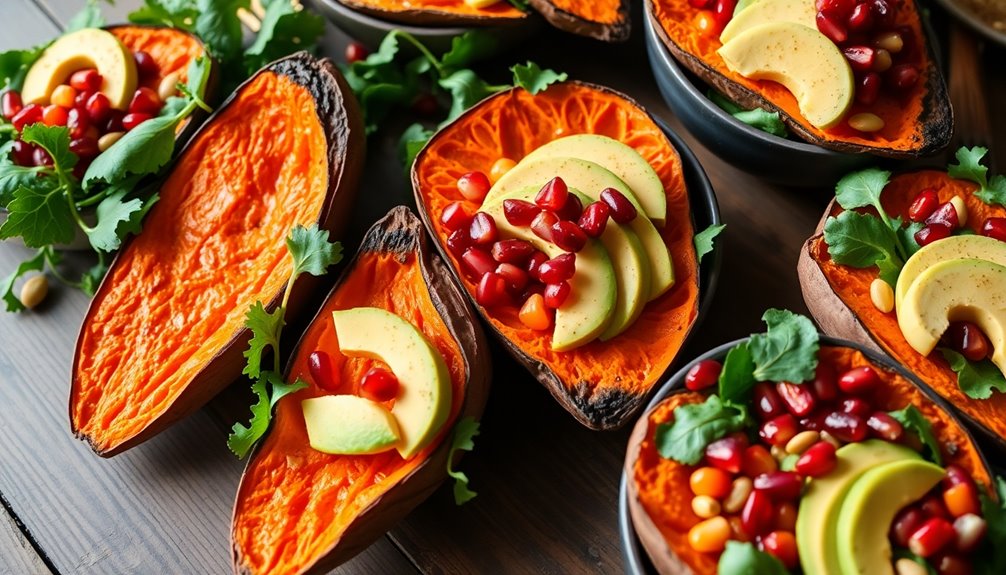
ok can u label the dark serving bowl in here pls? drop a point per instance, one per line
(778, 160)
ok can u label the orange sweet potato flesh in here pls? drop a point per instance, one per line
(171, 48)
(910, 123)
(601, 383)
(659, 487)
(852, 286)
(210, 248)
(438, 12)
(601, 19)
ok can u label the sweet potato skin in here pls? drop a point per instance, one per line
(456, 13)
(606, 20)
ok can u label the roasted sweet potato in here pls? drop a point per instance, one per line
(659, 495)
(302, 511)
(438, 12)
(165, 331)
(917, 123)
(839, 297)
(605, 19)
(601, 384)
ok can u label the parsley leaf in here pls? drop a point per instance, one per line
(89, 17)
(861, 189)
(269, 390)
(467, 48)
(787, 351)
(91, 279)
(311, 251)
(976, 379)
(533, 79)
(13, 176)
(285, 29)
(745, 559)
(217, 24)
(704, 240)
(40, 215)
(14, 65)
(466, 90)
(737, 375)
(912, 420)
(412, 141)
(969, 167)
(757, 118)
(266, 328)
(55, 140)
(36, 263)
(462, 439)
(113, 212)
(175, 13)
(697, 425)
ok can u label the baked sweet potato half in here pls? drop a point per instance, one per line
(820, 489)
(606, 20)
(909, 97)
(165, 330)
(299, 510)
(439, 12)
(839, 296)
(601, 383)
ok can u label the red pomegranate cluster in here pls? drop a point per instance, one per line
(377, 384)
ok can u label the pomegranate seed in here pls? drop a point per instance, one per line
(726, 453)
(818, 460)
(568, 236)
(54, 115)
(780, 485)
(379, 384)
(88, 80)
(22, 153)
(723, 11)
(955, 475)
(356, 52)
(868, 88)
(515, 277)
(146, 66)
(758, 460)
(556, 294)
(945, 214)
(459, 241)
(924, 205)
(703, 374)
(779, 430)
(970, 529)
(595, 218)
(798, 398)
(828, 26)
(85, 148)
(860, 58)
(855, 406)
(98, 107)
(557, 269)
(454, 216)
(757, 513)
(319, 364)
(519, 212)
(542, 225)
(478, 262)
(962, 499)
(946, 564)
(130, 121)
(930, 538)
(10, 104)
(838, 7)
(785, 517)
(906, 522)
(967, 339)
(885, 427)
(30, 114)
(533, 288)
(902, 76)
(767, 402)
(474, 186)
(859, 380)
(81, 100)
(512, 251)
(882, 13)
(534, 262)
(995, 228)
(40, 157)
(492, 290)
(483, 229)
(782, 545)
(552, 195)
(860, 19)
(571, 210)
(700, 4)
(77, 121)
(145, 101)
(933, 506)
(814, 422)
(621, 209)
(113, 123)
(824, 383)
(847, 427)
(932, 233)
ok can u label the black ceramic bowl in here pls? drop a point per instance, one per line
(778, 160)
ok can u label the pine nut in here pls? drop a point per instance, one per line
(882, 62)
(34, 291)
(105, 142)
(705, 506)
(962, 210)
(866, 122)
(882, 295)
(169, 85)
(825, 436)
(890, 41)
(738, 496)
(906, 566)
(802, 441)
(778, 453)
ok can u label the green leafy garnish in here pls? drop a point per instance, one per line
(991, 557)
(266, 327)
(696, 425)
(787, 351)
(758, 118)
(977, 379)
(36, 263)
(912, 420)
(969, 167)
(533, 79)
(737, 376)
(89, 17)
(704, 240)
(903, 553)
(269, 389)
(745, 559)
(284, 30)
(462, 439)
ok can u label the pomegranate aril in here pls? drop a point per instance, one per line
(512, 251)
(860, 58)
(813, 423)
(924, 205)
(860, 19)
(98, 107)
(84, 148)
(552, 195)
(542, 225)
(319, 364)
(40, 157)
(757, 460)
(902, 76)
(995, 228)
(868, 88)
(797, 398)
(492, 290)
(571, 210)
(459, 241)
(859, 380)
(54, 115)
(884, 426)
(568, 236)
(723, 11)
(30, 114)
(379, 384)
(767, 402)
(88, 80)
(474, 186)
(945, 214)
(519, 212)
(727, 453)
(970, 529)
(454, 216)
(146, 66)
(955, 475)
(883, 14)
(855, 406)
(130, 121)
(534, 262)
(63, 96)
(948, 564)
(780, 485)
(831, 27)
(21, 153)
(594, 219)
(846, 427)
(478, 262)
(818, 460)
(145, 101)
(534, 314)
(932, 233)
(10, 104)
(77, 121)
(483, 229)
(932, 506)
(757, 513)
(703, 374)
(113, 121)
(824, 385)
(932, 537)
(556, 294)
(782, 545)
(906, 522)
(356, 52)
(560, 268)
(779, 430)
(700, 4)
(516, 278)
(967, 339)
(620, 208)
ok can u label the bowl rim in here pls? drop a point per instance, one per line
(972, 20)
(341, 10)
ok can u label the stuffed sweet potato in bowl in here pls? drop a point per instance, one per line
(734, 468)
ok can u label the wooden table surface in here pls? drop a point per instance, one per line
(547, 486)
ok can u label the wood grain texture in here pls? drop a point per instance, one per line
(30, 27)
(17, 557)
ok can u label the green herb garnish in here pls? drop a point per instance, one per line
(703, 240)
(758, 118)
(912, 420)
(696, 425)
(977, 379)
(462, 439)
(991, 557)
(745, 559)
(969, 167)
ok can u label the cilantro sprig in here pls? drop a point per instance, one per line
(313, 254)
(977, 379)
(969, 167)
(913, 421)
(745, 559)
(703, 240)
(991, 556)
(462, 439)
(758, 118)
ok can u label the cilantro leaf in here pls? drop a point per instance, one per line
(218, 26)
(285, 29)
(112, 212)
(36, 263)
(757, 118)
(696, 425)
(412, 141)
(991, 557)
(175, 13)
(704, 240)
(89, 17)
(91, 279)
(462, 439)
(14, 65)
(466, 90)
(861, 189)
(269, 389)
(912, 420)
(55, 140)
(737, 376)
(969, 167)
(143, 150)
(534, 79)
(266, 327)
(467, 48)
(745, 559)
(859, 240)
(976, 379)
(40, 215)
(311, 251)
(13, 176)
(788, 350)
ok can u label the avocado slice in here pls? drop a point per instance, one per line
(590, 307)
(765, 11)
(622, 160)
(869, 509)
(952, 248)
(348, 425)
(822, 501)
(591, 179)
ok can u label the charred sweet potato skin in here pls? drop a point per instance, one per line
(165, 331)
(920, 123)
(602, 383)
(839, 297)
(299, 510)
(658, 490)
(606, 20)
(438, 12)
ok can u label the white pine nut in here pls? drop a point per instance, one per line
(105, 142)
(34, 291)
(882, 295)
(905, 566)
(705, 506)
(866, 122)
(802, 441)
(168, 86)
(738, 496)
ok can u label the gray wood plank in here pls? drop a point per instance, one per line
(25, 25)
(63, 10)
(17, 557)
